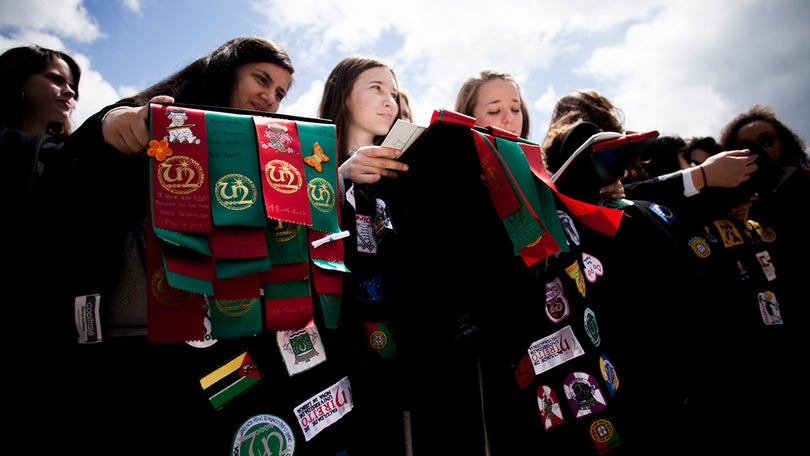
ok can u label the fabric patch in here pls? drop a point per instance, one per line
(729, 233)
(699, 247)
(591, 327)
(555, 349)
(324, 408)
(608, 374)
(264, 434)
(549, 407)
(603, 435)
(557, 307)
(568, 226)
(583, 394)
(366, 241)
(524, 372)
(301, 349)
(230, 380)
(768, 268)
(592, 266)
(576, 274)
(664, 212)
(769, 308)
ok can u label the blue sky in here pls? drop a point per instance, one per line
(684, 67)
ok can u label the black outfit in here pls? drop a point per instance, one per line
(753, 329)
(473, 309)
(125, 395)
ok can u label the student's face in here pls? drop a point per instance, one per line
(498, 105)
(49, 96)
(764, 134)
(260, 86)
(372, 103)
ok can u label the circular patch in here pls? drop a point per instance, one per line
(700, 247)
(264, 434)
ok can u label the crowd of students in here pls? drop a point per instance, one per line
(675, 329)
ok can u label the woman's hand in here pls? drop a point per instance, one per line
(729, 168)
(369, 163)
(127, 128)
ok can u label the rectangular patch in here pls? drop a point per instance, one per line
(230, 380)
(554, 350)
(325, 408)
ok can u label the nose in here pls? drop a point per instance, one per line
(68, 89)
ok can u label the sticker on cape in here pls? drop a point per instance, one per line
(301, 349)
(583, 394)
(264, 434)
(549, 407)
(325, 408)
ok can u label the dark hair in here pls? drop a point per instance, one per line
(661, 156)
(793, 146)
(209, 80)
(16, 66)
(466, 98)
(336, 91)
(707, 143)
(581, 105)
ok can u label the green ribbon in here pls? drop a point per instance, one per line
(322, 188)
(233, 166)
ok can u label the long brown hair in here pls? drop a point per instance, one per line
(336, 91)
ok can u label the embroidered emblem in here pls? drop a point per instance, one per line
(230, 380)
(729, 233)
(366, 241)
(769, 308)
(700, 247)
(609, 374)
(593, 267)
(554, 349)
(180, 174)
(752, 232)
(277, 138)
(575, 273)
(524, 372)
(301, 349)
(557, 307)
(603, 435)
(323, 409)
(583, 393)
(316, 158)
(766, 233)
(549, 406)
(322, 194)
(178, 131)
(765, 262)
(235, 307)
(236, 192)
(283, 176)
(664, 212)
(370, 289)
(281, 231)
(568, 226)
(264, 434)
(591, 327)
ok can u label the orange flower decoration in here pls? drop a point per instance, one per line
(159, 149)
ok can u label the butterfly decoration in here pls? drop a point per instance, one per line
(317, 158)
